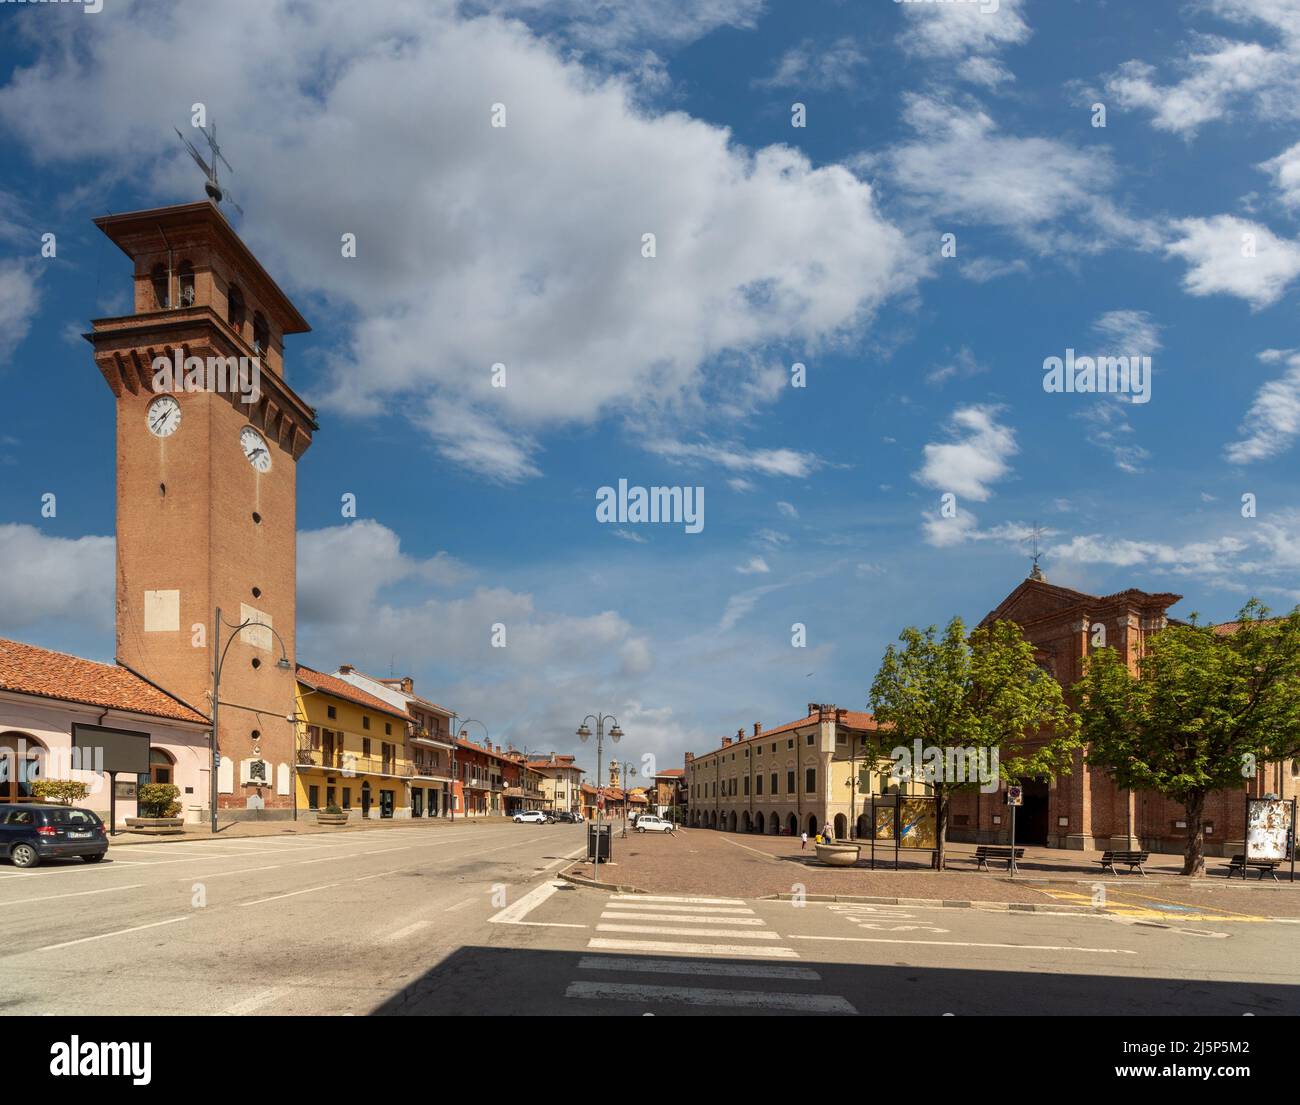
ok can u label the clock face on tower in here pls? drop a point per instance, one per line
(255, 449)
(164, 416)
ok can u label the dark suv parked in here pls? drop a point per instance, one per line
(30, 832)
(564, 815)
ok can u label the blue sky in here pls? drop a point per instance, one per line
(774, 245)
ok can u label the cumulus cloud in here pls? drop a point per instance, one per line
(19, 301)
(976, 458)
(478, 244)
(1285, 170)
(1214, 76)
(1231, 256)
(948, 30)
(48, 579)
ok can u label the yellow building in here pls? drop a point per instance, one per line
(350, 750)
(820, 771)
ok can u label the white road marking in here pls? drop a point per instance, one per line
(409, 930)
(251, 1004)
(291, 894)
(669, 947)
(459, 905)
(631, 908)
(106, 935)
(697, 995)
(563, 859)
(969, 944)
(695, 967)
(73, 894)
(666, 930)
(674, 898)
(515, 913)
(624, 915)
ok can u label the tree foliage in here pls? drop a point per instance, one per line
(980, 690)
(1203, 711)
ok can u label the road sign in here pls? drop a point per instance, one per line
(1015, 796)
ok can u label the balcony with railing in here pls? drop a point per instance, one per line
(352, 763)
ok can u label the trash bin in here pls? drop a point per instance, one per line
(598, 842)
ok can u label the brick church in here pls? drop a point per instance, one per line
(1085, 809)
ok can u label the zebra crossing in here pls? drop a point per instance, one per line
(702, 930)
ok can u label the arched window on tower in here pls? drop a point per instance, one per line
(185, 282)
(161, 293)
(235, 309)
(261, 334)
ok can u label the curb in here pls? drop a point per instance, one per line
(578, 880)
(943, 903)
(307, 829)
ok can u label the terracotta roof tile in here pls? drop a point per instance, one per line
(26, 669)
(340, 688)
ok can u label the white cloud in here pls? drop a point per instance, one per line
(1232, 256)
(788, 509)
(962, 365)
(1194, 557)
(478, 244)
(48, 579)
(1110, 430)
(962, 527)
(1043, 191)
(983, 269)
(946, 30)
(763, 462)
(1218, 76)
(1128, 332)
(19, 302)
(1285, 169)
(756, 565)
(977, 458)
(1272, 423)
(819, 68)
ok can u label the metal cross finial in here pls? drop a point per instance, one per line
(212, 185)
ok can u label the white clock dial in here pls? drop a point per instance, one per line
(255, 449)
(164, 416)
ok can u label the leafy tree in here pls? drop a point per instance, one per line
(1203, 709)
(980, 691)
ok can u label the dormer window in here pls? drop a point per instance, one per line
(235, 309)
(185, 281)
(161, 295)
(261, 334)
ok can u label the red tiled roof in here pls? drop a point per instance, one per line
(340, 688)
(670, 771)
(26, 669)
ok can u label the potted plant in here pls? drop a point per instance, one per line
(331, 815)
(159, 810)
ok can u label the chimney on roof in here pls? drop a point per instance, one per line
(812, 708)
(346, 669)
(408, 684)
(726, 742)
(757, 728)
(740, 734)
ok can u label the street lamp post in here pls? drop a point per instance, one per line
(456, 733)
(584, 734)
(218, 661)
(626, 769)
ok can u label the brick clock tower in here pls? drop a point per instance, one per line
(206, 485)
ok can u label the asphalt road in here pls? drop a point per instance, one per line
(470, 920)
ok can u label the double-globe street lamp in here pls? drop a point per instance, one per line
(218, 661)
(626, 770)
(584, 734)
(457, 732)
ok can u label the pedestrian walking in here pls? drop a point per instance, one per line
(803, 841)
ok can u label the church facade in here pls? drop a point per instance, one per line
(1085, 809)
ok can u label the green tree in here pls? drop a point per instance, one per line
(980, 691)
(1202, 711)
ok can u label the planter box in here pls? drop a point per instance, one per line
(331, 818)
(156, 826)
(838, 855)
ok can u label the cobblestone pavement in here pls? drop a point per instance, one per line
(704, 861)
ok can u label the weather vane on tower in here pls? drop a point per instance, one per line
(1033, 541)
(212, 186)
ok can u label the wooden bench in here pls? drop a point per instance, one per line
(986, 852)
(1129, 859)
(1240, 863)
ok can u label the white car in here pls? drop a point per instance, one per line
(648, 823)
(536, 817)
